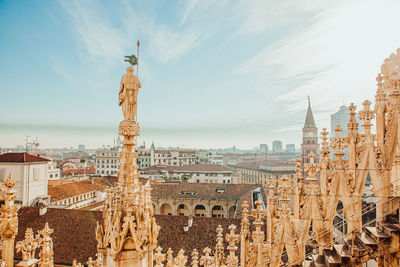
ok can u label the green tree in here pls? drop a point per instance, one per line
(131, 60)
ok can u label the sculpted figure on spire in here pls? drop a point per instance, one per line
(128, 93)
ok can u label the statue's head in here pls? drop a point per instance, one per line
(129, 70)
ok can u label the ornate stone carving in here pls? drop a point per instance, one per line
(28, 247)
(129, 128)
(46, 253)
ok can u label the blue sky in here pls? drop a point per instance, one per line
(214, 73)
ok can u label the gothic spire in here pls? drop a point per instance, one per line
(309, 123)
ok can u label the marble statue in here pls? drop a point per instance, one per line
(128, 93)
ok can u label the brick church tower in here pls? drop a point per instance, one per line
(310, 136)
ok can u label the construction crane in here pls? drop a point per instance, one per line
(34, 143)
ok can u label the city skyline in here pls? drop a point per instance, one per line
(251, 68)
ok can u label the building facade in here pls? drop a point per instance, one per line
(175, 157)
(203, 200)
(54, 172)
(31, 174)
(195, 173)
(107, 161)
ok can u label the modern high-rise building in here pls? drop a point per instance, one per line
(277, 146)
(341, 118)
(290, 148)
(310, 136)
(263, 148)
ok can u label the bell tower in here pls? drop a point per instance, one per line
(310, 136)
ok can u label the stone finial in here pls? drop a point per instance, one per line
(8, 222)
(159, 257)
(324, 144)
(366, 114)
(195, 258)
(207, 260)
(245, 218)
(170, 258)
(339, 143)
(46, 254)
(257, 213)
(90, 262)
(352, 125)
(232, 239)
(311, 168)
(28, 246)
(180, 259)
(219, 247)
(9, 183)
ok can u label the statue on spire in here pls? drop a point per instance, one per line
(128, 93)
(129, 89)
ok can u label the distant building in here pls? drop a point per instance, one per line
(217, 159)
(233, 158)
(277, 146)
(107, 161)
(263, 148)
(81, 147)
(261, 172)
(54, 172)
(341, 118)
(31, 172)
(175, 157)
(76, 195)
(290, 148)
(144, 158)
(310, 136)
(195, 173)
(204, 200)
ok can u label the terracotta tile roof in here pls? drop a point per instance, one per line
(72, 189)
(21, 157)
(88, 170)
(59, 182)
(248, 165)
(93, 206)
(74, 232)
(157, 168)
(203, 190)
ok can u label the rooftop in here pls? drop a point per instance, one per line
(21, 157)
(74, 232)
(68, 190)
(203, 190)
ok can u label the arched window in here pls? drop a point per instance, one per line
(200, 211)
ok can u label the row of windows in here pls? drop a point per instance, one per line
(76, 199)
(108, 161)
(55, 175)
(214, 181)
(107, 166)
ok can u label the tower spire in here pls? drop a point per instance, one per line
(309, 122)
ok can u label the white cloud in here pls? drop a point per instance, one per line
(103, 40)
(95, 32)
(334, 58)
